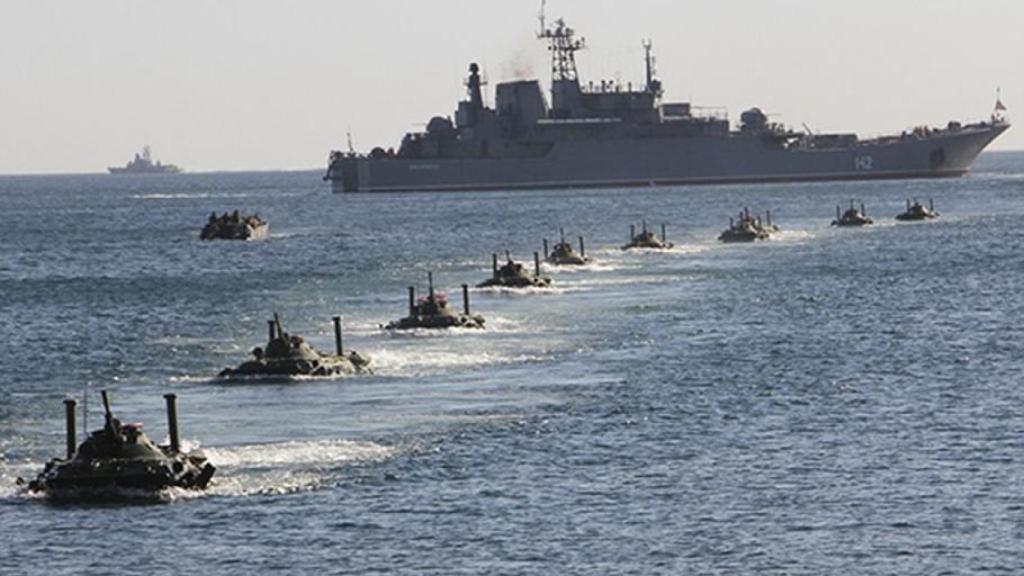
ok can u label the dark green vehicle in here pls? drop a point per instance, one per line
(514, 275)
(563, 253)
(288, 355)
(647, 239)
(917, 212)
(852, 217)
(120, 456)
(433, 311)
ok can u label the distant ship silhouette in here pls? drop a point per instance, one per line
(143, 164)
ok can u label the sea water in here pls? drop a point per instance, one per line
(829, 401)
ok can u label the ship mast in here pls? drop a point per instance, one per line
(653, 84)
(566, 96)
(563, 47)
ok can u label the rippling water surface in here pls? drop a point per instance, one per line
(831, 401)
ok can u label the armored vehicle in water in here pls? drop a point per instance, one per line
(234, 227)
(647, 239)
(748, 228)
(563, 253)
(514, 275)
(916, 212)
(606, 134)
(433, 311)
(143, 164)
(287, 355)
(852, 216)
(120, 456)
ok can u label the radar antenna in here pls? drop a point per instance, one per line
(563, 45)
(348, 136)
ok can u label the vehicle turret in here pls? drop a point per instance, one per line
(290, 355)
(434, 312)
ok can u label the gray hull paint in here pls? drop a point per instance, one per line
(670, 161)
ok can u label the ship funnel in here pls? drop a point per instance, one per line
(412, 301)
(583, 250)
(465, 298)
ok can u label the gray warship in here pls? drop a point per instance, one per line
(143, 164)
(287, 355)
(120, 456)
(433, 311)
(608, 135)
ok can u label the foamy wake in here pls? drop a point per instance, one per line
(591, 267)
(793, 235)
(414, 362)
(313, 453)
(528, 291)
(283, 468)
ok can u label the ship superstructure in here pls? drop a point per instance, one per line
(605, 134)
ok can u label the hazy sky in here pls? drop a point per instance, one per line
(272, 84)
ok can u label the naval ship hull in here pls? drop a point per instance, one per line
(620, 162)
